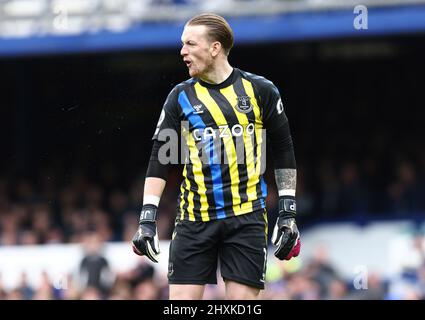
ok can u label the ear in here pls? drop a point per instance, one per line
(215, 48)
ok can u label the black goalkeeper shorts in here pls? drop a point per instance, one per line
(238, 243)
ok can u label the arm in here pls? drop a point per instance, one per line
(153, 190)
(286, 181)
(285, 234)
(145, 241)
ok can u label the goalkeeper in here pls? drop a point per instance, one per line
(221, 211)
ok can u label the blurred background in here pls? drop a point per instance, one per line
(82, 86)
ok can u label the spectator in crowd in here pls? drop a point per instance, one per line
(3, 293)
(406, 192)
(353, 194)
(337, 290)
(95, 275)
(329, 189)
(45, 290)
(26, 291)
(321, 270)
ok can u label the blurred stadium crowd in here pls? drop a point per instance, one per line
(316, 279)
(87, 210)
(50, 211)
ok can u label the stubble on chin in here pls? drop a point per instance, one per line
(193, 73)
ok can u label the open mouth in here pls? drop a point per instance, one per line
(188, 63)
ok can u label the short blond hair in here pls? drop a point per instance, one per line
(218, 29)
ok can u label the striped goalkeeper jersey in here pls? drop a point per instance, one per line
(221, 128)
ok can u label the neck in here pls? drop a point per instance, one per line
(218, 73)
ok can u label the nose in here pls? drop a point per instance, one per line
(184, 51)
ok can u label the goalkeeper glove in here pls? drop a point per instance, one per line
(285, 234)
(145, 241)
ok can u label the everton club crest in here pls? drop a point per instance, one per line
(244, 104)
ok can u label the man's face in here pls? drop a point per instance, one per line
(196, 50)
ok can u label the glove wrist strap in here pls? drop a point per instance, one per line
(287, 207)
(148, 213)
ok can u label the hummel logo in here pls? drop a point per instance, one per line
(198, 108)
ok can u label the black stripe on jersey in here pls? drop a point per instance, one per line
(230, 116)
(206, 169)
(196, 197)
(245, 76)
(240, 91)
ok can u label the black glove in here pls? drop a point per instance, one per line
(285, 234)
(145, 241)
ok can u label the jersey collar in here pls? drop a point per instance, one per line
(230, 80)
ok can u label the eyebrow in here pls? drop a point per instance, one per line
(190, 40)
